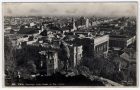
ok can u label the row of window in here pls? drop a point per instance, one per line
(114, 43)
(101, 48)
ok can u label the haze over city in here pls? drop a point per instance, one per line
(70, 9)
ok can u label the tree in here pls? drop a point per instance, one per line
(9, 59)
(64, 54)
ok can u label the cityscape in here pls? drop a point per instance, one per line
(70, 50)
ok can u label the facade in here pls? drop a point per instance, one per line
(121, 41)
(94, 46)
(52, 62)
(49, 63)
(101, 45)
(75, 55)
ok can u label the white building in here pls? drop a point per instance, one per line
(87, 23)
(101, 45)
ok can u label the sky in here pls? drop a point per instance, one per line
(70, 9)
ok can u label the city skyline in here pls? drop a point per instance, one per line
(70, 9)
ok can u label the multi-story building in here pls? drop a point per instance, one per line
(93, 46)
(120, 42)
(49, 64)
(101, 45)
(52, 62)
(75, 55)
(75, 50)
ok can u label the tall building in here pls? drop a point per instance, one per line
(50, 62)
(74, 27)
(75, 55)
(75, 50)
(87, 23)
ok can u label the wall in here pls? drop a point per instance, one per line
(101, 45)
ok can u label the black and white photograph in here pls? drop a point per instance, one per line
(70, 44)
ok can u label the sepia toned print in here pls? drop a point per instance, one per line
(70, 44)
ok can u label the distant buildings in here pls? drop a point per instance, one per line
(87, 23)
(84, 37)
